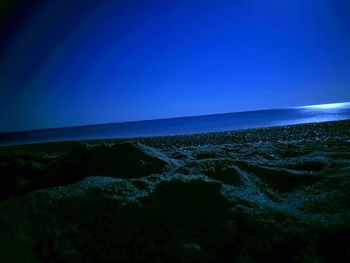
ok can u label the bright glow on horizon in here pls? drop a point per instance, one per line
(329, 106)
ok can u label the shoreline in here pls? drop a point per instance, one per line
(305, 131)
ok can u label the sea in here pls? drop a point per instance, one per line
(184, 125)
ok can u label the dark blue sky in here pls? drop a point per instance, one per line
(74, 62)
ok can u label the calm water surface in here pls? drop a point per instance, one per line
(185, 125)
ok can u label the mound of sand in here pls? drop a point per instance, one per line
(22, 172)
(242, 197)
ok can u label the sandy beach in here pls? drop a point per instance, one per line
(278, 194)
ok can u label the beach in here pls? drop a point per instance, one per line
(279, 194)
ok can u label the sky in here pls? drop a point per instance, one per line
(79, 62)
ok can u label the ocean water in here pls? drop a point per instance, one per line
(185, 125)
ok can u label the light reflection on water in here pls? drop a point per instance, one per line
(318, 113)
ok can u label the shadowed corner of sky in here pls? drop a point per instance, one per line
(74, 62)
(29, 31)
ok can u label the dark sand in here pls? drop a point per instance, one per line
(266, 195)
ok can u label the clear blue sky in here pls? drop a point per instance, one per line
(75, 62)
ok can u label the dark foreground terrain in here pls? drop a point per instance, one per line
(267, 195)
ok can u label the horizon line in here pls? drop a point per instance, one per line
(324, 106)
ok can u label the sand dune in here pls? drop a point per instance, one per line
(264, 195)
